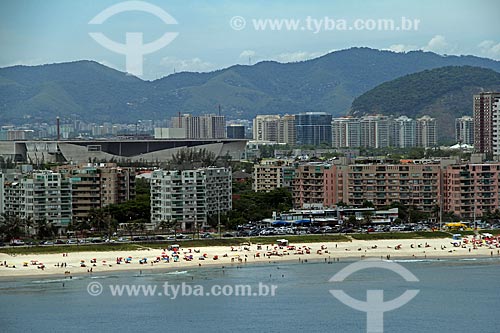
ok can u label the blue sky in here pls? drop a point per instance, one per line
(37, 32)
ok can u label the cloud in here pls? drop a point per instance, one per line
(402, 48)
(490, 49)
(247, 53)
(438, 44)
(187, 65)
(297, 56)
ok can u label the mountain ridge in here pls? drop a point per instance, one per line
(88, 90)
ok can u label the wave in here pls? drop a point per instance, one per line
(55, 280)
(103, 276)
(176, 272)
(414, 260)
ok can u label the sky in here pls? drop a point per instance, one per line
(211, 34)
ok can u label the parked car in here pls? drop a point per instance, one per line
(16, 242)
(71, 241)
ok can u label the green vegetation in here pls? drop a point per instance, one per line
(255, 206)
(327, 83)
(74, 248)
(444, 93)
(161, 245)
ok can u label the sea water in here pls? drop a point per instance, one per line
(454, 295)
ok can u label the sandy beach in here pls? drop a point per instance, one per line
(76, 263)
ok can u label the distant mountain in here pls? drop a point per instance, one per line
(444, 93)
(93, 92)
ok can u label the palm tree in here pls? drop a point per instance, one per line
(12, 226)
(172, 225)
(130, 228)
(45, 229)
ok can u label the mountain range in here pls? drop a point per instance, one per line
(93, 92)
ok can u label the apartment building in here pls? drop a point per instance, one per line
(464, 130)
(98, 185)
(286, 130)
(404, 132)
(382, 184)
(487, 123)
(375, 131)
(37, 196)
(346, 132)
(315, 185)
(208, 126)
(275, 128)
(426, 132)
(190, 196)
(272, 174)
(470, 190)
(265, 128)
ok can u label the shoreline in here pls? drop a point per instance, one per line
(409, 249)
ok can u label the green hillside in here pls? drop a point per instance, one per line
(93, 92)
(444, 93)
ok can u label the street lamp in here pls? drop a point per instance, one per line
(218, 211)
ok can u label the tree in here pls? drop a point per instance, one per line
(45, 229)
(352, 221)
(189, 158)
(12, 226)
(367, 217)
(367, 204)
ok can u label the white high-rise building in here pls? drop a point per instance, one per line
(190, 196)
(426, 132)
(405, 132)
(375, 131)
(464, 130)
(346, 132)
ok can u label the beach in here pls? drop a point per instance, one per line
(158, 258)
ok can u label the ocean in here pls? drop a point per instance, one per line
(454, 295)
